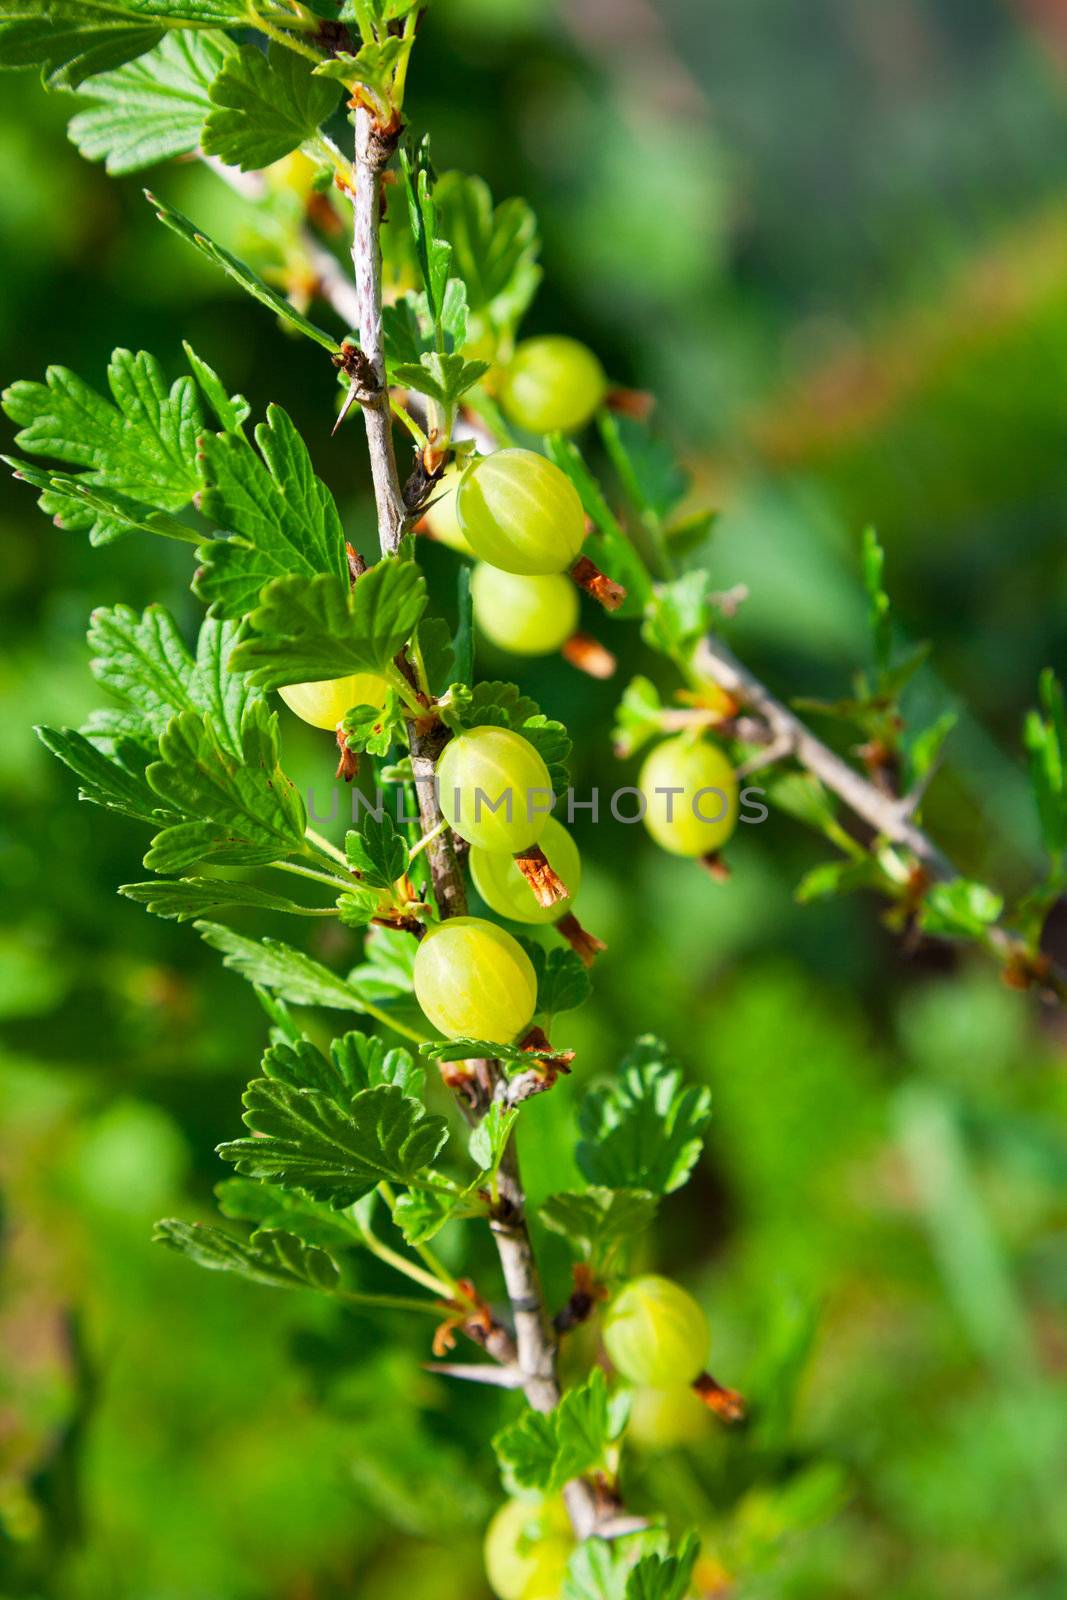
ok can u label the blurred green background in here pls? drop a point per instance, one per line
(832, 238)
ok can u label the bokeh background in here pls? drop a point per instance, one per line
(832, 238)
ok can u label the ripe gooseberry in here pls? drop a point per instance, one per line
(656, 1334)
(690, 791)
(661, 1418)
(494, 789)
(521, 513)
(526, 1548)
(324, 704)
(504, 888)
(474, 981)
(552, 383)
(530, 616)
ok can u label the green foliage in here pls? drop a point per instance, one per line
(608, 545)
(142, 446)
(961, 909)
(494, 249)
(240, 810)
(186, 899)
(1045, 738)
(643, 1130)
(638, 1567)
(651, 478)
(264, 106)
(241, 273)
(286, 972)
(151, 109)
(596, 1220)
(277, 1259)
(563, 982)
(308, 627)
(272, 1207)
(544, 1450)
(377, 851)
(280, 518)
(115, 780)
(638, 717)
(503, 705)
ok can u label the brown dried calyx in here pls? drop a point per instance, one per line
(589, 656)
(548, 888)
(348, 766)
(727, 1404)
(588, 576)
(585, 945)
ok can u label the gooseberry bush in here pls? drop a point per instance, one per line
(472, 439)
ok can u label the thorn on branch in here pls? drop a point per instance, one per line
(422, 480)
(356, 564)
(585, 945)
(548, 888)
(588, 576)
(586, 1296)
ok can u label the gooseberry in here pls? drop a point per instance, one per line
(324, 704)
(494, 789)
(656, 1334)
(661, 1418)
(690, 791)
(504, 888)
(530, 616)
(474, 981)
(552, 383)
(526, 1548)
(440, 516)
(521, 513)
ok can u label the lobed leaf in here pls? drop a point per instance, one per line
(596, 1219)
(494, 250)
(643, 1130)
(286, 972)
(544, 1450)
(186, 899)
(272, 1257)
(377, 851)
(264, 106)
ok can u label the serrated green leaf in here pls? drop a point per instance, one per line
(444, 377)
(502, 705)
(69, 40)
(281, 519)
(873, 563)
(679, 614)
(279, 1259)
(563, 981)
(434, 254)
(264, 106)
(494, 251)
(638, 717)
(140, 450)
(311, 628)
(596, 1219)
(377, 851)
(1045, 739)
(78, 506)
(115, 780)
(336, 1150)
(832, 878)
(186, 899)
(272, 1207)
(373, 65)
(286, 972)
(143, 661)
(600, 1569)
(664, 1577)
(961, 909)
(489, 1139)
(643, 1130)
(231, 410)
(246, 811)
(544, 1450)
(151, 109)
(475, 1049)
(375, 728)
(420, 1214)
(241, 273)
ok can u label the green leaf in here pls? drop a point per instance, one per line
(1045, 739)
(651, 477)
(961, 909)
(608, 546)
(638, 717)
(69, 40)
(420, 1214)
(271, 1257)
(643, 1130)
(271, 1206)
(489, 1139)
(502, 705)
(363, 1061)
(241, 273)
(563, 981)
(231, 410)
(375, 728)
(79, 506)
(143, 661)
(281, 519)
(463, 639)
(596, 1219)
(141, 448)
(923, 749)
(832, 878)
(494, 250)
(664, 1577)
(186, 899)
(307, 629)
(444, 377)
(151, 109)
(435, 647)
(475, 1049)
(372, 66)
(336, 1147)
(288, 973)
(544, 1450)
(878, 601)
(679, 615)
(377, 851)
(116, 780)
(600, 1569)
(264, 106)
(434, 254)
(247, 811)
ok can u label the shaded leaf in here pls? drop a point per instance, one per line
(643, 1130)
(270, 1256)
(151, 109)
(264, 106)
